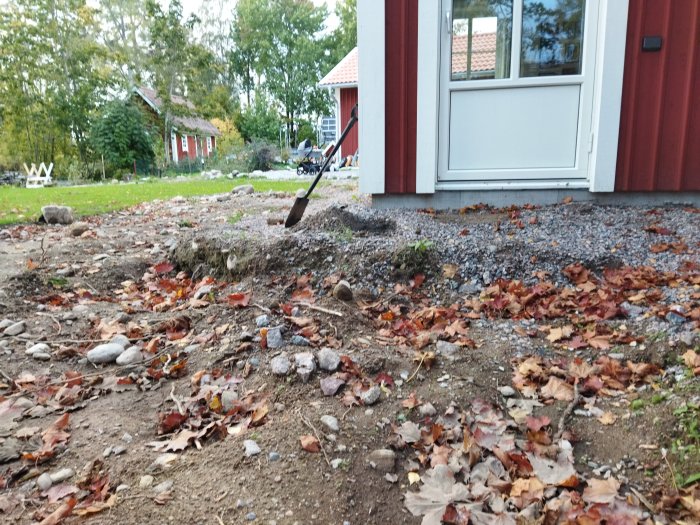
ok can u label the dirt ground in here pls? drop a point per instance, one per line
(187, 282)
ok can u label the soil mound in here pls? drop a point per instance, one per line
(340, 219)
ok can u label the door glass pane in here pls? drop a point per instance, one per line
(552, 41)
(481, 39)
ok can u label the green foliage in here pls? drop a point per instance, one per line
(259, 120)
(345, 36)
(260, 155)
(686, 447)
(306, 131)
(422, 246)
(120, 135)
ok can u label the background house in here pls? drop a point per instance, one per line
(342, 81)
(528, 101)
(192, 136)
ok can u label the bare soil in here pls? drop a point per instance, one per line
(219, 484)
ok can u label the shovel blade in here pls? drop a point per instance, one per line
(297, 212)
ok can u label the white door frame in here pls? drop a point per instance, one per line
(609, 68)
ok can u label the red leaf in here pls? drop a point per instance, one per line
(417, 280)
(239, 300)
(535, 424)
(164, 267)
(386, 379)
(310, 443)
(169, 422)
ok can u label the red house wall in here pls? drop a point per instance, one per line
(659, 148)
(401, 94)
(348, 99)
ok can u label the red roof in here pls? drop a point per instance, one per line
(483, 52)
(344, 74)
(191, 122)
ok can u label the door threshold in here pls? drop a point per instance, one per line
(494, 185)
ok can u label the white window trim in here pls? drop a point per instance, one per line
(371, 33)
(208, 145)
(183, 142)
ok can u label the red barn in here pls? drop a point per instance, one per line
(342, 80)
(192, 136)
(529, 101)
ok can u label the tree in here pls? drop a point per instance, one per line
(230, 139)
(259, 121)
(345, 36)
(170, 60)
(248, 39)
(120, 135)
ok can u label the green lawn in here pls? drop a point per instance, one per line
(22, 204)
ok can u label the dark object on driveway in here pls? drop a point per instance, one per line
(297, 211)
(308, 164)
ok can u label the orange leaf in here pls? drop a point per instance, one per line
(239, 300)
(310, 443)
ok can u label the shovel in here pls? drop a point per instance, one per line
(297, 211)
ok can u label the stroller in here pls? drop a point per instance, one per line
(308, 164)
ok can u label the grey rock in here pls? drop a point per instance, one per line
(298, 340)
(41, 356)
(331, 385)
(675, 318)
(78, 228)
(62, 475)
(616, 355)
(9, 450)
(39, 347)
(122, 340)
(280, 365)
(371, 396)
(131, 356)
(507, 391)
(251, 516)
(262, 321)
(246, 337)
(228, 400)
(632, 310)
(57, 214)
(328, 360)
(44, 481)
(469, 289)
(165, 486)
(274, 338)
(306, 364)
(15, 328)
(274, 456)
(343, 291)
(105, 353)
(331, 422)
(447, 350)
(203, 291)
(118, 450)
(688, 338)
(337, 463)
(427, 410)
(251, 448)
(243, 189)
(383, 460)
(5, 323)
(146, 481)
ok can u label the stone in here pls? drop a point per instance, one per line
(331, 422)
(243, 189)
(62, 475)
(44, 481)
(39, 347)
(122, 340)
(131, 356)
(5, 323)
(328, 360)
(507, 391)
(228, 400)
(427, 410)
(15, 328)
(262, 321)
(251, 448)
(371, 396)
(274, 456)
(165, 486)
(57, 214)
(447, 350)
(274, 338)
(306, 364)
(298, 340)
(672, 317)
(688, 338)
(9, 450)
(78, 228)
(251, 516)
(118, 450)
(337, 463)
(383, 460)
(203, 291)
(331, 385)
(343, 291)
(105, 353)
(280, 365)
(41, 356)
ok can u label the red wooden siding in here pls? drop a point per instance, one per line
(348, 99)
(401, 95)
(659, 147)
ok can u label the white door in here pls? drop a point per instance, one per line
(516, 89)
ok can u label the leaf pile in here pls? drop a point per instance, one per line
(205, 414)
(479, 469)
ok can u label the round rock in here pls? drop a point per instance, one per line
(106, 353)
(328, 360)
(131, 356)
(343, 291)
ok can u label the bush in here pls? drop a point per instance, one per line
(259, 120)
(306, 131)
(260, 155)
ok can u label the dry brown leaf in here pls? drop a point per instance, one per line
(181, 441)
(310, 443)
(439, 490)
(608, 418)
(559, 333)
(97, 506)
(601, 490)
(558, 389)
(61, 512)
(691, 359)
(409, 432)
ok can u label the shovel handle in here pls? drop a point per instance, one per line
(351, 123)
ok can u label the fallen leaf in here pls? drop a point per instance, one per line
(96, 506)
(163, 267)
(61, 512)
(439, 490)
(608, 418)
(181, 441)
(601, 490)
(310, 443)
(558, 389)
(58, 492)
(691, 359)
(239, 300)
(413, 477)
(409, 432)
